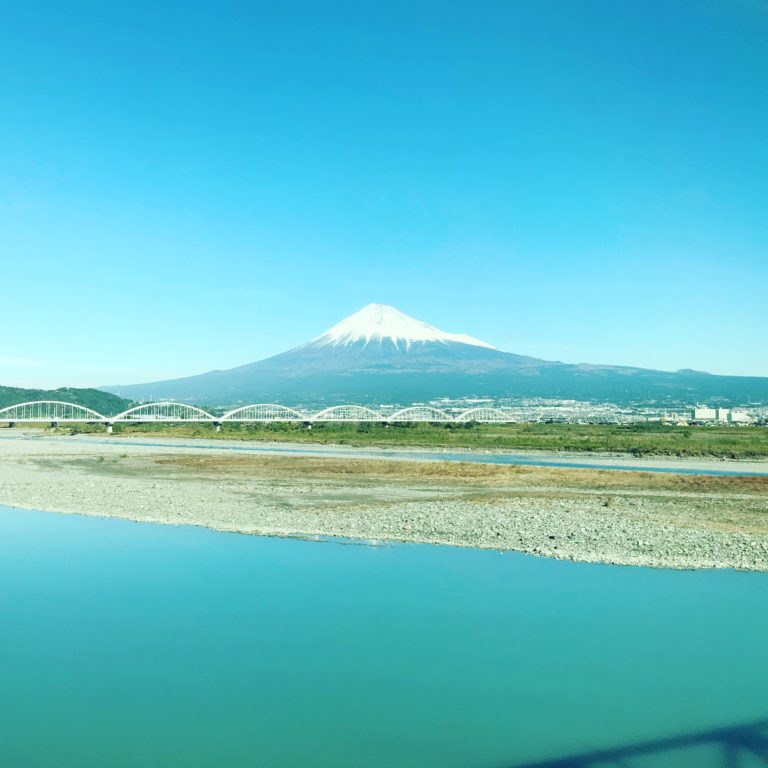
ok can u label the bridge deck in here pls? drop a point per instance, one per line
(54, 411)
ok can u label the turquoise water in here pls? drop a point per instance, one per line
(126, 644)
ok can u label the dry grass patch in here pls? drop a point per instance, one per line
(462, 473)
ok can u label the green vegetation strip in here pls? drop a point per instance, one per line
(633, 439)
(99, 401)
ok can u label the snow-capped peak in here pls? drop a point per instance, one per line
(379, 322)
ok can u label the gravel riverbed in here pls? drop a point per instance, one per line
(562, 514)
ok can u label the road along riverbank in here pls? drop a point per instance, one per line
(592, 514)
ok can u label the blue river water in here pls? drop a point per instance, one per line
(126, 644)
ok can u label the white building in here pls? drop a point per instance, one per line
(720, 415)
(704, 413)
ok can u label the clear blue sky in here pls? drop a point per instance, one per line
(196, 185)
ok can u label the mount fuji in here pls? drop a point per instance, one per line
(381, 355)
(385, 326)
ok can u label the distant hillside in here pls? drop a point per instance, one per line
(103, 402)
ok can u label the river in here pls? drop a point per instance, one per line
(126, 644)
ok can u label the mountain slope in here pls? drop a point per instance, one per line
(379, 355)
(96, 399)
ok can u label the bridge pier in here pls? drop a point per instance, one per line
(54, 424)
(308, 424)
(217, 424)
(11, 424)
(109, 427)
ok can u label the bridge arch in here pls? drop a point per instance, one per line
(420, 413)
(347, 413)
(485, 415)
(264, 412)
(166, 411)
(49, 410)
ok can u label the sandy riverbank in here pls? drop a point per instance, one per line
(409, 453)
(593, 515)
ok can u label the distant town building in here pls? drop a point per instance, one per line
(721, 415)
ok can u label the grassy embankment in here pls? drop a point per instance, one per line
(634, 439)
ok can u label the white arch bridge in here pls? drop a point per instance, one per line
(55, 412)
